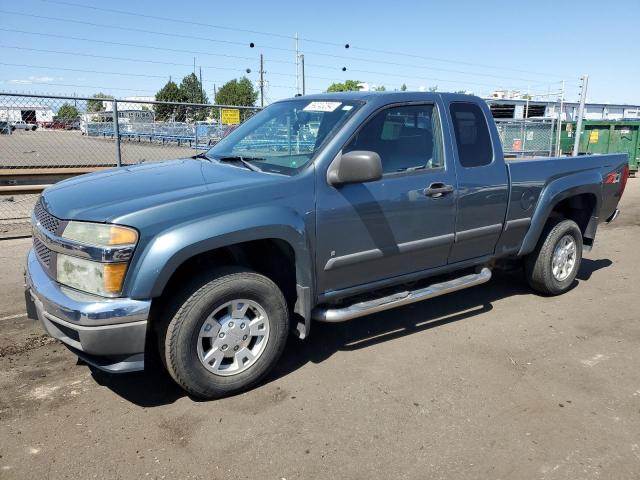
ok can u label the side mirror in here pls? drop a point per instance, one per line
(358, 166)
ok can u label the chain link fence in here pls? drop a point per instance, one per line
(44, 139)
(522, 138)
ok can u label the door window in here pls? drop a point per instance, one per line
(406, 138)
(472, 135)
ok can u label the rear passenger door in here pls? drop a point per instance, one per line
(483, 184)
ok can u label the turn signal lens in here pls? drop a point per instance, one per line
(122, 236)
(114, 277)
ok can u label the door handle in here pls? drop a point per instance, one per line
(437, 190)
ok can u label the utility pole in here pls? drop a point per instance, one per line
(297, 66)
(583, 98)
(559, 125)
(201, 89)
(261, 81)
(303, 80)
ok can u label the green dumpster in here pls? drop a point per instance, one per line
(604, 136)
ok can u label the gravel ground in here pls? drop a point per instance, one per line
(491, 382)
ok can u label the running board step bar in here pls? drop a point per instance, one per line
(334, 315)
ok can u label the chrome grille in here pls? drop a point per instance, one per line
(42, 252)
(48, 221)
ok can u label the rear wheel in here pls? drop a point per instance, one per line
(227, 335)
(552, 267)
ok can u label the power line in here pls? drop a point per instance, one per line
(98, 87)
(100, 72)
(169, 19)
(144, 60)
(107, 42)
(136, 45)
(139, 30)
(291, 37)
(229, 42)
(109, 57)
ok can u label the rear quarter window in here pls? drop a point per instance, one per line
(471, 134)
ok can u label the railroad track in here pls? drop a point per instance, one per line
(15, 181)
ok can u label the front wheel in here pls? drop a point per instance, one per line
(227, 335)
(552, 267)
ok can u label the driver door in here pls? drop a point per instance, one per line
(377, 230)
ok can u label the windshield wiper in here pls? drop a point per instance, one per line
(246, 162)
(202, 155)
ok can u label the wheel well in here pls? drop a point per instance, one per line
(578, 208)
(273, 258)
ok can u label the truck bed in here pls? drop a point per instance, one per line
(536, 181)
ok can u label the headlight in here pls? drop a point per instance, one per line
(104, 279)
(100, 234)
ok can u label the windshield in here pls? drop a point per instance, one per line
(285, 136)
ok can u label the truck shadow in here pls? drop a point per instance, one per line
(327, 339)
(154, 387)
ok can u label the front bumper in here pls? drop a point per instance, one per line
(108, 333)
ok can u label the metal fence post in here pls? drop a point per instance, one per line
(551, 134)
(116, 132)
(195, 134)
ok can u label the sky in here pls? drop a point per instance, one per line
(127, 48)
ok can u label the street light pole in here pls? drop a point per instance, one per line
(297, 66)
(303, 79)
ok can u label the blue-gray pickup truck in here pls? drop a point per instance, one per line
(326, 208)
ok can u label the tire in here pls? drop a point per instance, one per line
(189, 338)
(543, 275)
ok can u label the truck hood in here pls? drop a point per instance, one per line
(110, 194)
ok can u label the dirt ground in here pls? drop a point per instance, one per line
(492, 382)
(55, 148)
(51, 148)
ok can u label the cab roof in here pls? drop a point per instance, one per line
(387, 97)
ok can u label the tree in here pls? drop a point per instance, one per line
(347, 86)
(170, 93)
(403, 87)
(192, 92)
(237, 92)
(97, 105)
(67, 112)
(434, 88)
(380, 88)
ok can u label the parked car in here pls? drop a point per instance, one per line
(213, 261)
(22, 125)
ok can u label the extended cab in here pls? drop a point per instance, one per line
(326, 207)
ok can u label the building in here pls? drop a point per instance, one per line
(515, 107)
(29, 113)
(130, 103)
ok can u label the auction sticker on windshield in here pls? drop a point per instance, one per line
(322, 106)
